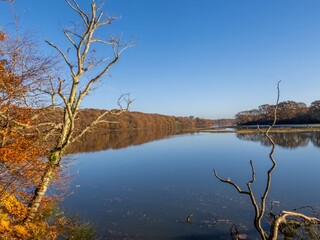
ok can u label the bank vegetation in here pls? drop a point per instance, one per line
(289, 112)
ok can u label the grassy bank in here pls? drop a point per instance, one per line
(287, 129)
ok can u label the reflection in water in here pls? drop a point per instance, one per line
(315, 139)
(148, 191)
(103, 140)
(287, 140)
(291, 224)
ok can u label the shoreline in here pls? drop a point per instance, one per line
(279, 129)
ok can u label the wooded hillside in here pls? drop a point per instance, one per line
(289, 112)
(138, 120)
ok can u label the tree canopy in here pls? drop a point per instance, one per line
(289, 112)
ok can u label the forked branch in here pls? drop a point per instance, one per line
(260, 209)
(125, 98)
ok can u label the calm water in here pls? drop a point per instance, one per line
(147, 191)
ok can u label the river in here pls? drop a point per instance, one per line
(147, 190)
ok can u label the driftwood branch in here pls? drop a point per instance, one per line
(282, 218)
(261, 208)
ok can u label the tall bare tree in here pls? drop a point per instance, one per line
(80, 59)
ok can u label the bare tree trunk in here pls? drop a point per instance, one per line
(82, 44)
(53, 163)
(40, 192)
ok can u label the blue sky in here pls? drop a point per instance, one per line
(206, 58)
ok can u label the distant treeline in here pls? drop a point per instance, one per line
(289, 112)
(138, 120)
(141, 126)
(134, 128)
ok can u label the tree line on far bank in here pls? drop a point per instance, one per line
(138, 120)
(289, 112)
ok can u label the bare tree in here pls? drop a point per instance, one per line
(49, 88)
(80, 59)
(126, 99)
(260, 207)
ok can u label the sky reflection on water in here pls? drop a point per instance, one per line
(147, 191)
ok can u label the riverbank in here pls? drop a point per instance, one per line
(275, 129)
(280, 128)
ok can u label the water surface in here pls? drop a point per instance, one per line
(147, 191)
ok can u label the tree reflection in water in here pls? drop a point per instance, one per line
(287, 140)
(104, 139)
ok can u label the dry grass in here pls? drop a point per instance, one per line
(280, 130)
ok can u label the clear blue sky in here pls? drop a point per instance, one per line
(207, 58)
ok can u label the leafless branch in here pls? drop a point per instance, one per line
(63, 55)
(77, 9)
(67, 34)
(97, 121)
(260, 208)
(125, 98)
(228, 181)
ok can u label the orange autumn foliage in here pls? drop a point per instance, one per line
(12, 212)
(21, 155)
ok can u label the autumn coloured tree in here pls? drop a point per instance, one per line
(21, 145)
(34, 80)
(314, 111)
(289, 112)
